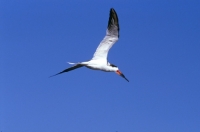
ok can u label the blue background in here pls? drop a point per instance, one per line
(158, 51)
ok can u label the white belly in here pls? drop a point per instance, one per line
(98, 65)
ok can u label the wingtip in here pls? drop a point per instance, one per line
(55, 74)
(112, 10)
(52, 76)
(113, 22)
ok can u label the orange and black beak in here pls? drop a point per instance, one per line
(121, 74)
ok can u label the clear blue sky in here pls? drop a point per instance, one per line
(158, 51)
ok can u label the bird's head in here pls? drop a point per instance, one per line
(116, 69)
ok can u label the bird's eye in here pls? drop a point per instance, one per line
(113, 65)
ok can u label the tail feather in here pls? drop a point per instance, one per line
(71, 63)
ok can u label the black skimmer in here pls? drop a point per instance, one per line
(99, 60)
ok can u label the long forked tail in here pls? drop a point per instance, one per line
(71, 63)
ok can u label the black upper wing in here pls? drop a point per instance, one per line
(69, 69)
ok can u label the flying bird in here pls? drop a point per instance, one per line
(99, 60)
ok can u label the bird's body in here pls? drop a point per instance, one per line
(100, 64)
(99, 60)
